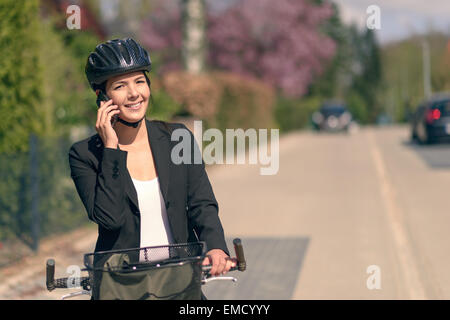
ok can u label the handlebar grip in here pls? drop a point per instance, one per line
(66, 283)
(239, 254)
(83, 282)
(50, 281)
(62, 283)
(207, 268)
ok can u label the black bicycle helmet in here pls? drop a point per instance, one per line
(116, 57)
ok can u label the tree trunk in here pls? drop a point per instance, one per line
(194, 38)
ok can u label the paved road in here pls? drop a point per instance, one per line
(338, 205)
(345, 213)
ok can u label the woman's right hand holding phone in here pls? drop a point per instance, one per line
(103, 125)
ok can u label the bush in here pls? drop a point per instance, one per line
(67, 99)
(244, 103)
(292, 114)
(358, 107)
(223, 100)
(20, 73)
(198, 94)
(81, 106)
(161, 106)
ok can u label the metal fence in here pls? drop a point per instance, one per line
(37, 195)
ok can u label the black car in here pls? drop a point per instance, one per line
(332, 117)
(431, 120)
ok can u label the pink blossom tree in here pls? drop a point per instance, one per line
(278, 42)
(162, 33)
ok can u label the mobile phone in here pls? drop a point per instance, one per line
(103, 97)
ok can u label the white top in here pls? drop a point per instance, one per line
(155, 228)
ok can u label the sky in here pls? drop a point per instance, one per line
(399, 18)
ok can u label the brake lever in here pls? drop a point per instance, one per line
(75, 294)
(213, 278)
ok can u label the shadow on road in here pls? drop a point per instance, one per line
(435, 156)
(273, 268)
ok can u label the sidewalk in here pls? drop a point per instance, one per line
(25, 279)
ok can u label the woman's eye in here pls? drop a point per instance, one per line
(118, 87)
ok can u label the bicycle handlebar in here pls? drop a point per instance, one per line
(61, 283)
(53, 283)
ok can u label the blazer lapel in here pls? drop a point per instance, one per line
(160, 146)
(131, 191)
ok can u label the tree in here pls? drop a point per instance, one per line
(276, 41)
(330, 84)
(161, 33)
(402, 78)
(194, 38)
(367, 77)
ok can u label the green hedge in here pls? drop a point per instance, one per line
(43, 92)
(292, 114)
(20, 73)
(244, 103)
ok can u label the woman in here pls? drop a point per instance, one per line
(124, 174)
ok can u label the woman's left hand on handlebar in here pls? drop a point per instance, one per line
(220, 262)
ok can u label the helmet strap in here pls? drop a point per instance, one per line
(130, 124)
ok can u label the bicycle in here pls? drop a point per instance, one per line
(150, 273)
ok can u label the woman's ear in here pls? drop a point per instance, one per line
(106, 85)
(147, 79)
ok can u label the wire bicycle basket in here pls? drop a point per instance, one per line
(149, 273)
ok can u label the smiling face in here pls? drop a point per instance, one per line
(130, 92)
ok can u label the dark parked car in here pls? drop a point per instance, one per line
(332, 117)
(431, 120)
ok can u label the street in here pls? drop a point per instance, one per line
(347, 216)
(339, 204)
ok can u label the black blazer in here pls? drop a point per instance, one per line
(105, 187)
